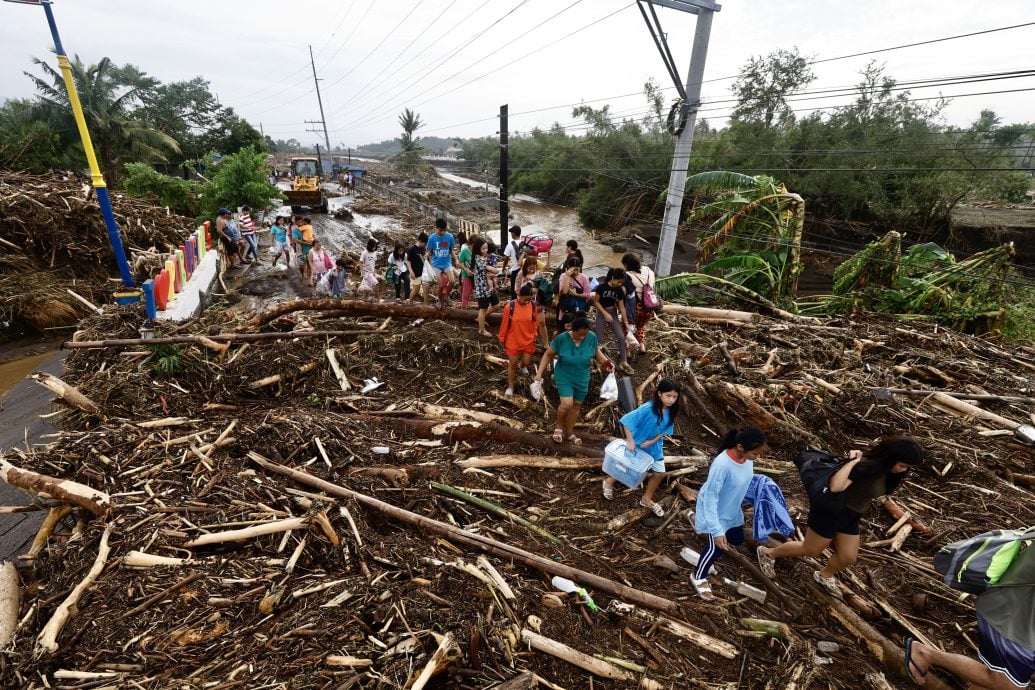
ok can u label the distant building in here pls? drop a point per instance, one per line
(453, 152)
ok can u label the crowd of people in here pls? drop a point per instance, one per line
(618, 307)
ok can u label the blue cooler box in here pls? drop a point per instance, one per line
(628, 468)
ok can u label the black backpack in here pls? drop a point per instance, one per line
(816, 466)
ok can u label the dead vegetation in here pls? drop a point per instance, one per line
(272, 525)
(53, 239)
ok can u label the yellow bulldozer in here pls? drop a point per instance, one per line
(306, 188)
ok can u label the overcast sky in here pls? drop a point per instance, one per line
(456, 61)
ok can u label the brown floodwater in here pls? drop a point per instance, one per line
(14, 371)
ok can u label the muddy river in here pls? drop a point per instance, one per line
(14, 371)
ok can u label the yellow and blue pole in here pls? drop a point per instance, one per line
(100, 188)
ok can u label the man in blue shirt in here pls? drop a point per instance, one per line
(442, 255)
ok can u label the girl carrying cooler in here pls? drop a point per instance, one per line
(646, 428)
(720, 512)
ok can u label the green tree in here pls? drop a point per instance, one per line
(238, 179)
(108, 93)
(25, 143)
(409, 159)
(764, 84)
(180, 195)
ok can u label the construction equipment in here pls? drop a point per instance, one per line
(306, 188)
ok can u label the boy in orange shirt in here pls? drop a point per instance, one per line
(518, 332)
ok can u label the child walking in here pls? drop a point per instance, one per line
(370, 282)
(646, 428)
(397, 261)
(484, 283)
(720, 514)
(280, 242)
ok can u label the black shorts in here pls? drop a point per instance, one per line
(1003, 655)
(486, 302)
(827, 523)
(228, 244)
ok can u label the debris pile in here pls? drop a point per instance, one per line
(261, 522)
(53, 239)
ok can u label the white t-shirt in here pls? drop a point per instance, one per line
(513, 252)
(368, 262)
(399, 263)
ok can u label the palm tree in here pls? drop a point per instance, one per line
(410, 122)
(108, 93)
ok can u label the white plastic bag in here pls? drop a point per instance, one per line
(537, 390)
(631, 342)
(609, 389)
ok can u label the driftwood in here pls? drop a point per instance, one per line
(359, 308)
(915, 393)
(494, 509)
(64, 490)
(677, 628)
(343, 380)
(961, 407)
(548, 463)
(455, 432)
(438, 661)
(47, 639)
(709, 314)
(10, 602)
(896, 512)
(70, 394)
(245, 533)
(463, 414)
(584, 661)
(477, 541)
(200, 339)
(54, 516)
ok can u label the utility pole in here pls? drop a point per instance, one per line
(504, 173)
(691, 103)
(323, 119)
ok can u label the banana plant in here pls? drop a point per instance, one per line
(754, 231)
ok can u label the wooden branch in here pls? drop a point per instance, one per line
(287, 376)
(64, 490)
(343, 380)
(437, 663)
(960, 407)
(359, 308)
(54, 516)
(708, 314)
(915, 393)
(463, 414)
(494, 509)
(200, 339)
(70, 394)
(10, 602)
(476, 541)
(151, 601)
(533, 461)
(140, 560)
(584, 661)
(896, 512)
(677, 628)
(273, 527)
(46, 642)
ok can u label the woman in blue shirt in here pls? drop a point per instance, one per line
(646, 428)
(720, 514)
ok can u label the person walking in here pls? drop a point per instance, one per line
(530, 275)
(1006, 635)
(370, 282)
(399, 264)
(466, 271)
(319, 262)
(442, 253)
(517, 334)
(573, 291)
(513, 256)
(305, 245)
(247, 225)
(415, 263)
(640, 276)
(609, 301)
(575, 350)
(646, 428)
(848, 495)
(280, 241)
(484, 283)
(720, 512)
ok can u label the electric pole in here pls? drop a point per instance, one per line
(323, 119)
(504, 173)
(691, 103)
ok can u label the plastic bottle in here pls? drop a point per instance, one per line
(690, 556)
(746, 590)
(566, 585)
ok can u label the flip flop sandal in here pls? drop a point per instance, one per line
(910, 664)
(829, 584)
(575, 440)
(558, 436)
(609, 492)
(654, 508)
(703, 589)
(765, 563)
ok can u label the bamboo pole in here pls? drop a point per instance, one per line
(476, 541)
(584, 661)
(494, 509)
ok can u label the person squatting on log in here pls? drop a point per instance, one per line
(484, 283)
(646, 427)
(415, 262)
(720, 512)
(442, 255)
(518, 330)
(229, 237)
(370, 282)
(834, 512)
(279, 231)
(609, 300)
(1006, 635)
(575, 350)
(398, 265)
(640, 275)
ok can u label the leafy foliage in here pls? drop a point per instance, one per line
(175, 192)
(25, 143)
(239, 179)
(165, 360)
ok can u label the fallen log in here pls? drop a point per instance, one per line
(915, 393)
(494, 509)
(463, 414)
(70, 394)
(896, 512)
(47, 639)
(200, 339)
(343, 380)
(584, 661)
(10, 602)
(960, 407)
(63, 490)
(708, 314)
(477, 541)
(476, 431)
(359, 308)
(548, 463)
(890, 656)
